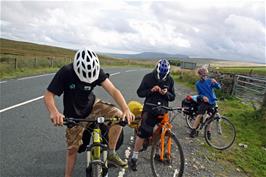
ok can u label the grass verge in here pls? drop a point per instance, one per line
(23, 72)
(250, 125)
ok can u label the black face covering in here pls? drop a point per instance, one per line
(159, 77)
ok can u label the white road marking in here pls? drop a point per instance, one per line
(35, 99)
(114, 74)
(2, 82)
(24, 78)
(127, 154)
(20, 104)
(130, 70)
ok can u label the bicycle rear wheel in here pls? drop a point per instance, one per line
(222, 133)
(173, 163)
(190, 120)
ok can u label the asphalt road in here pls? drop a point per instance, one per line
(30, 145)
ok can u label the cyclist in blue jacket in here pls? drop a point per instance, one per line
(205, 87)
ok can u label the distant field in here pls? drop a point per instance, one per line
(22, 58)
(229, 63)
(259, 70)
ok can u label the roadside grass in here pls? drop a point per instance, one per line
(250, 126)
(23, 72)
(26, 72)
(186, 78)
(26, 66)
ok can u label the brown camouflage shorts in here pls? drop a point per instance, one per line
(100, 109)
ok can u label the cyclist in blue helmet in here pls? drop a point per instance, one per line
(163, 69)
(156, 87)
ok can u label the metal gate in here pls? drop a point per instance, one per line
(249, 88)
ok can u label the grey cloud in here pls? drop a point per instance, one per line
(115, 22)
(232, 32)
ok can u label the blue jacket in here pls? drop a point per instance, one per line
(205, 88)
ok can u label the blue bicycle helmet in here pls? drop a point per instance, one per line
(163, 69)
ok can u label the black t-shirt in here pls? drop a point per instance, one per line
(78, 96)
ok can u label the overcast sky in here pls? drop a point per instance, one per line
(216, 29)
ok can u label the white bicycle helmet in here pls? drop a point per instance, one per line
(86, 65)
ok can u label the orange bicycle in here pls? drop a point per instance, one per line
(167, 157)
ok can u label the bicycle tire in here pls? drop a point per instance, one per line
(180, 158)
(96, 169)
(88, 171)
(223, 133)
(189, 120)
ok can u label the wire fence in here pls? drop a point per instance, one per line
(15, 63)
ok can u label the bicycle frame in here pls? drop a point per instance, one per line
(96, 147)
(203, 123)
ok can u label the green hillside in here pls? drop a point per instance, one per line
(26, 49)
(23, 58)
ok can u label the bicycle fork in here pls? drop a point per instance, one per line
(94, 152)
(169, 143)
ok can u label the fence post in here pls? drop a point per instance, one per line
(234, 85)
(52, 62)
(35, 62)
(16, 63)
(264, 101)
(49, 63)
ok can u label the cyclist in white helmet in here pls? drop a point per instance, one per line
(76, 82)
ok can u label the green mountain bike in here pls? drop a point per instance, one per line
(97, 163)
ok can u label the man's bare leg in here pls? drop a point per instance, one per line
(71, 157)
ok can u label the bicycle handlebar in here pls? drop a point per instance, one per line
(155, 106)
(68, 121)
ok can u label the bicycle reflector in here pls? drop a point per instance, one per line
(100, 120)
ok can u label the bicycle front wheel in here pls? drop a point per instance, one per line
(96, 169)
(220, 133)
(173, 162)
